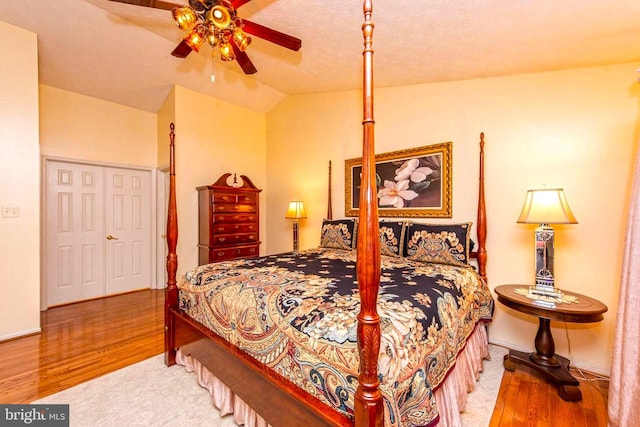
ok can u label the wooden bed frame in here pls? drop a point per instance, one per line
(274, 398)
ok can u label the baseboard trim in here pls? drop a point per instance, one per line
(20, 334)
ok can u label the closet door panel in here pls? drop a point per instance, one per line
(128, 231)
(74, 241)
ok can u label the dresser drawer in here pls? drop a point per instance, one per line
(228, 218)
(247, 199)
(232, 239)
(233, 253)
(232, 207)
(230, 227)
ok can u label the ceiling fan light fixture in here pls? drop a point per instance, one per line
(219, 16)
(196, 37)
(217, 23)
(241, 38)
(184, 17)
(226, 51)
(212, 39)
(212, 35)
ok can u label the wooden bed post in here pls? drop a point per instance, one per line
(171, 292)
(482, 217)
(368, 399)
(329, 207)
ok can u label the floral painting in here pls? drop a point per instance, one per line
(409, 183)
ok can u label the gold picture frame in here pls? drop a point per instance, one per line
(415, 182)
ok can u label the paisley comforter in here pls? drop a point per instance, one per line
(297, 313)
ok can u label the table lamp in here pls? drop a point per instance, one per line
(295, 212)
(545, 206)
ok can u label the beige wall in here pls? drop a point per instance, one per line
(166, 116)
(19, 186)
(81, 127)
(575, 129)
(212, 137)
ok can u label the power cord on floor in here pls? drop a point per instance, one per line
(581, 375)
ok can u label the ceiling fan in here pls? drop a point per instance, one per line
(217, 23)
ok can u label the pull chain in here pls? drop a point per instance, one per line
(213, 74)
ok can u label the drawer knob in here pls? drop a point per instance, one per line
(222, 239)
(221, 208)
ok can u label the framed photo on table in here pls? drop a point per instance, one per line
(415, 182)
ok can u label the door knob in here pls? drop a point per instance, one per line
(110, 237)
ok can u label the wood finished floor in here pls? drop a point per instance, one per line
(85, 340)
(527, 399)
(80, 342)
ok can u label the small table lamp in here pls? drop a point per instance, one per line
(545, 206)
(295, 212)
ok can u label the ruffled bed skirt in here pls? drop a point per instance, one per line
(451, 396)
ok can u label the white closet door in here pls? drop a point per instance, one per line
(75, 232)
(127, 229)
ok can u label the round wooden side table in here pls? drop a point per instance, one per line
(555, 368)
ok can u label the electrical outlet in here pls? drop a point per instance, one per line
(10, 211)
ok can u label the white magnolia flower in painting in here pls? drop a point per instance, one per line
(395, 193)
(410, 170)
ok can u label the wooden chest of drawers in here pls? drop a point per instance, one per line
(228, 218)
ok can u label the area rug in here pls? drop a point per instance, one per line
(150, 394)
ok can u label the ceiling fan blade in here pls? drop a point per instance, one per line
(237, 3)
(182, 50)
(243, 60)
(272, 36)
(157, 4)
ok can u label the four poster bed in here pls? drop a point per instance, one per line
(296, 339)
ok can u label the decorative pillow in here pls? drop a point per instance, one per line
(439, 243)
(339, 234)
(392, 238)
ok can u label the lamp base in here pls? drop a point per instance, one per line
(295, 236)
(544, 256)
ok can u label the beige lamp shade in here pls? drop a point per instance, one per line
(546, 206)
(296, 210)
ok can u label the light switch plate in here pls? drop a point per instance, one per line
(10, 211)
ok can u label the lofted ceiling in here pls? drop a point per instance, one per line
(122, 53)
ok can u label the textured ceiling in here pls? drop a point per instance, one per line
(121, 53)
